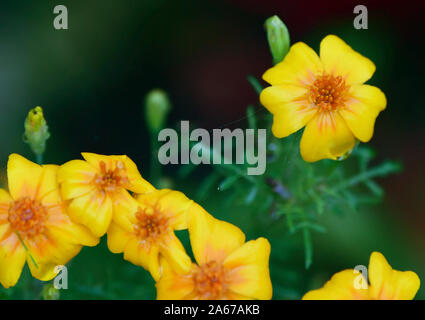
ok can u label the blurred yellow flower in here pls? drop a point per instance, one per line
(34, 226)
(326, 95)
(144, 230)
(226, 268)
(97, 186)
(385, 284)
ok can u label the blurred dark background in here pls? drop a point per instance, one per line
(91, 80)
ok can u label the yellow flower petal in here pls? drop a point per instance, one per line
(48, 188)
(136, 183)
(28, 179)
(144, 255)
(12, 259)
(23, 177)
(250, 270)
(5, 200)
(290, 107)
(341, 60)
(173, 204)
(48, 251)
(361, 111)
(172, 285)
(125, 207)
(117, 238)
(212, 239)
(61, 227)
(5, 197)
(340, 287)
(291, 119)
(299, 67)
(389, 284)
(274, 97)
(326, 136)
(93, 210)
(174, 252)
(76, 178)
(42, 271)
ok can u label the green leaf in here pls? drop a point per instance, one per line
(255, 84)
(252, 120)
(227, 183)
(308, 248)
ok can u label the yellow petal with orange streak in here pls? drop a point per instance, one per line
(143, 254)
(326, 136)
(12, 257)
(136, 183)
(48, 251)
(76, 178)
(249, 270)
(172, 249)
(48, 189)
(125, 208)
(389, 284)
(93, 210)
(290, 106)
(172, 204)
(5, 201)
(299, 67)
(23, 177)
(212, 239)
(362, 109)
(173, 285)
(62, 227)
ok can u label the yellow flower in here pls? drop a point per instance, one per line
(326, 95)
(98, 186)
(34, 225)
(144, 230)
(385, 284)
(226, 268)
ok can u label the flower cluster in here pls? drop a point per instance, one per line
(51, 211)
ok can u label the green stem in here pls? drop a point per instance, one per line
(26, 249)
(39, 158)
(382, 170)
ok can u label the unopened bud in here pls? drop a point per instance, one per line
(157, 107)
(36, 130)
(49, 292)
(278, 37)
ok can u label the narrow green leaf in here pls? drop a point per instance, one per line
(308, 248)
(255, 84)
(252, 120)
(227, 183)
(251, 195)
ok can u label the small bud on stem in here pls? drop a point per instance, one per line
(36, 132)
(157, 107)
(278, 37)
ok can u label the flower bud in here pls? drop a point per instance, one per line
(36, 130)
(49, 292)
(157, 107)
(278, 37)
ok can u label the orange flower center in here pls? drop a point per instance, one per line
(150, 227)
(328, 92)
(109, 180)
(27, 217)
(209, 280)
